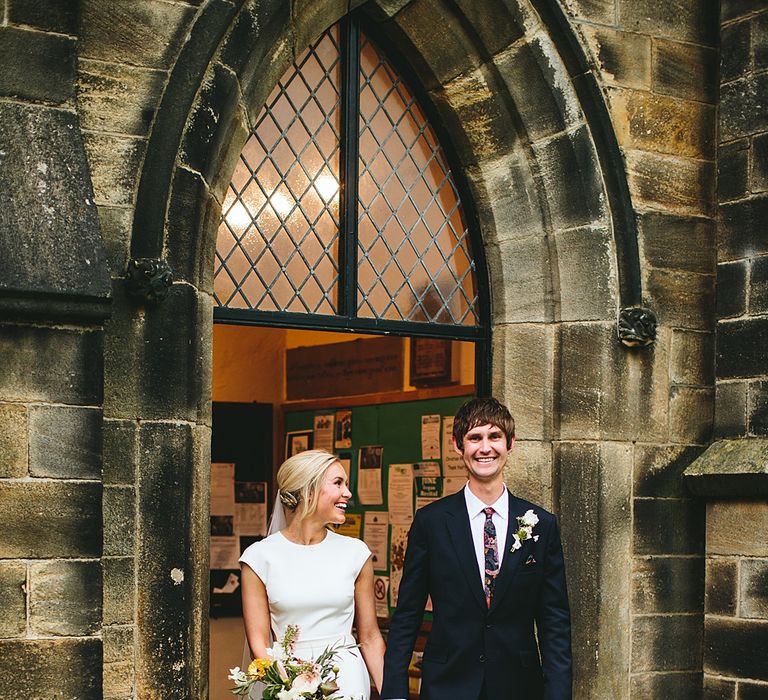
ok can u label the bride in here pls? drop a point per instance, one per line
(307, 575)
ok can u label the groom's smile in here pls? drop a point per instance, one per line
(484, 451)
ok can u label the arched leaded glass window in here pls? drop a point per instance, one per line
(343, 210)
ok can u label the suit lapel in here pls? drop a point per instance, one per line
(511, 560)
(457, 521)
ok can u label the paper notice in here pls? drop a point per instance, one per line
(452, 484)
(375, 531)
(430, 437)
(343, 429)
(251, 507)
(224, 553)
(369, 475)
(426, 469)
(453, 464)
(400, 490)
(323, 429)
(380, 589)
(351, 526)
(428, 489)
(222, 488)
(399, 541)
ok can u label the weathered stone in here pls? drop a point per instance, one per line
(740, 234)
(624, 58)
(496, 25)
(736, 648)
(652, 122)
(677, 242)
(720, 589)
(732, 289)
(658, 469)
(54, 15)
(735, 9)
(50, 519)
(152, 368)
(667, 585)
(718, 689)
(668, 526)
(757, 408)
(119, 680)
(743, 109)
(119, 592)
(119, 509)
(691, 414)
(692, 358)
(118, 642)
(758, 286)
(667, 643)
(14, 441)
(584, 260)
(120, 451)
(593, 10)
(741, 348)
(36, 66)
(115, 163)
(116, 225)
(758, 176)
(751, 691)
(680, 686)
(65, 442)
(679, 184)
(685, 70)
(753, 596)
(760, 41)
(682, 299)
(65, 598)
(735, 54)
(118, 98)
(731, 468)
(136, 32)
(696, 24)
(730, 409)
(752, 541)
(44, 668)
(13, 603)
(733, 170)
(528, 472)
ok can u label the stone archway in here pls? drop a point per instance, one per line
(548, 216)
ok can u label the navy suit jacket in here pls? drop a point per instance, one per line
(470, 644)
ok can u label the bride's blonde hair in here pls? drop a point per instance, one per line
(299, 477)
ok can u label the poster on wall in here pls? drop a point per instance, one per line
(453, 464)
(297, 441)
(399, 541)
(428, 489)
(323, 432)
(251, 508)
(380, 590)
(400, 494)
(352, 525)
(222, 493)
(430, 437)
(369, 475)
(343, 437)
(375, 532)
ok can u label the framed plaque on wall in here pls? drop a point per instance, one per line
(430, 362)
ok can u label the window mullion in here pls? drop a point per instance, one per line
(348, 194)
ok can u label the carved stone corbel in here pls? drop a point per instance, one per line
(148, 279)
(636, 327)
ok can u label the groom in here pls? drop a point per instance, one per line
(493, 565)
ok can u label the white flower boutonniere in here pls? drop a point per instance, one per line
(525, 525)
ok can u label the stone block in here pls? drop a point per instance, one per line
(36, 66)
(52, 15)
(65, 442)
(680, 686)
(668, 526)
(120, 451)
(758, 285)
(65, 598)
(118, 642)
(658, 469)
(651, 122)
(720, 588)
(760, 41)
(119, 680)
(736, 9)
(758, 176)
(733, 170)
(14, 441)
(526, 354)
(154, 373)
(679, 20)
(134, 32)
(13, 600)
(681, 299)
(667, 585)
(603, 11)
(730, 469)
(119, 512)
(51, 668)
(757, 408)
(730, 409)
(743, 109)
(684, 70)
(692, 357)
(749, 541)
(312, 19)
(119, 590)
(667, 643)
(682, 185)
(118, 98)
(753, 585)
(735, 55)
(732, 289)
(672, 242)
(497, 25)
(752, 691)
(116, 223)
(624, 58)
(115, 162)
(740, 234)
(570, 179)
(736, 648)
(585, 276)
(528, 472)
(50, 519)
(718, 689)
(741, 348)
(691, 414)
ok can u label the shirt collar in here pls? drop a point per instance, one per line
(475, 506)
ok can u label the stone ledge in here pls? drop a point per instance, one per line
(730, 469)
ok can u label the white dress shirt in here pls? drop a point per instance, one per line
(500, 518)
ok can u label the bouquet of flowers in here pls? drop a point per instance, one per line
(286, 677)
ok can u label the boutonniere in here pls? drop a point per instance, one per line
(525, 525)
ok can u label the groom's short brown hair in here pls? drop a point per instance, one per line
(481, 412)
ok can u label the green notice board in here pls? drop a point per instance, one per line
(394, 426)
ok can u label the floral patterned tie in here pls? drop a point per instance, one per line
(491, 555)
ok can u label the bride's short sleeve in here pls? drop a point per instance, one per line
(255, 557)
(361, 553)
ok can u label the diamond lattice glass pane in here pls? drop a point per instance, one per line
(277, 246)
(415, 259)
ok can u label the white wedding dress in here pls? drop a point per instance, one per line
(313, 586)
